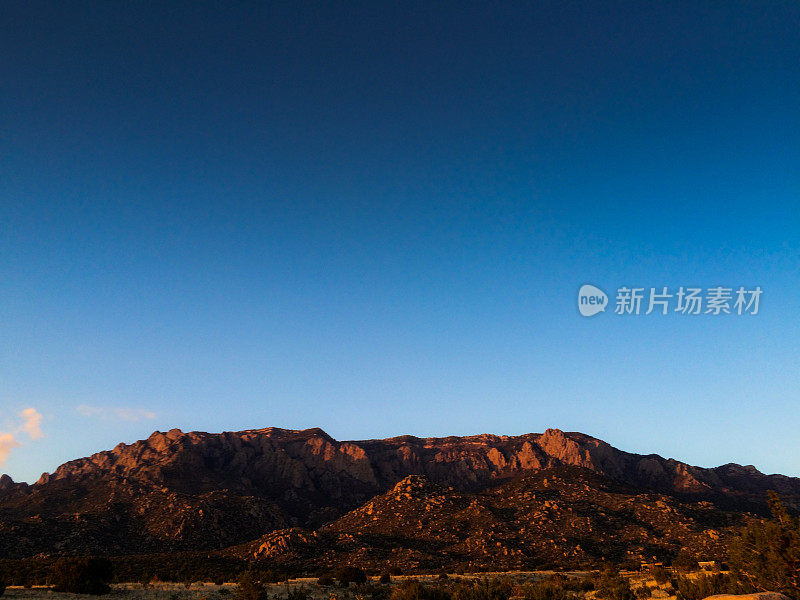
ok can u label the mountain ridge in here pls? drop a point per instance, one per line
(180, 490)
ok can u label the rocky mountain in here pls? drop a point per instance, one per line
(559, 516)
(182, 491)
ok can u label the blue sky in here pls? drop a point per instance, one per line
(374, 218)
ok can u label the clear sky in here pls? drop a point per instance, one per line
(374, 218)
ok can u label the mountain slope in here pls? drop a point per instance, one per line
(566, 516)
(198, 490)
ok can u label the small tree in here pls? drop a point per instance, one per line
(767, 554)
(82, 575)
(385, 578)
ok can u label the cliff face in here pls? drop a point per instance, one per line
(180, 490)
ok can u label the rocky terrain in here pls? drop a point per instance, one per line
(304, 497)
(560, 516)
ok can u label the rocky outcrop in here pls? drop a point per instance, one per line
(8, 485)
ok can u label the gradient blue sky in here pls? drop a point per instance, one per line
(374, 218)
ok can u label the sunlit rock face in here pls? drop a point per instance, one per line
(196, 490)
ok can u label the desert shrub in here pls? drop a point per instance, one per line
(385, 578)
(325, 580)
(249, 587)
(484, 589)
(351, 574)
(660, 574)
(414, 590)
(82, 575)
(556, 587)
(298, 593)
(703, 586)
(766, 555)
(612, 586)
(546, 589)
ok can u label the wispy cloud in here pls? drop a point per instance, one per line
(115, 413)
(30, 424)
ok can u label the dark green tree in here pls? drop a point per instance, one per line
(766, 554)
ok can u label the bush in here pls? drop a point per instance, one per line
(2, 585)
(613, 586)
(705, 585)
(351, 574)
(395, 571)
(250, 588)
(82, 575)
(325, 580)
(485, 589)
(385, 578)
(556, 587)
(414, 590)
(298, 593)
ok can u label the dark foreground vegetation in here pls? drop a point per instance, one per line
(765, 557)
